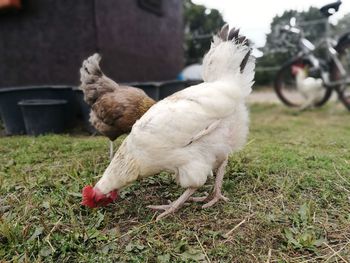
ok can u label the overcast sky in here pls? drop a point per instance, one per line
(254, 16)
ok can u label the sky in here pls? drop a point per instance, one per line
(254, 16)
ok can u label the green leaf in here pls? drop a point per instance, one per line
(93, 233)
(163, 258)
(306, 212)
(307, 239)
(38, 231)
(140, 247)
(181, 246)
(111, 246)
(75, 194)
(46, 204)
(100, 219)
(129, 247)
(319, 242)
(113, 232)
(290, 238)
(193, 254)
(288, 233)
(45, 251)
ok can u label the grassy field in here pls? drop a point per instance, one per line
(289, 193)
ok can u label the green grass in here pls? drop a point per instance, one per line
(289, 193)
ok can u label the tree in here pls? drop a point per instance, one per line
(343, 25)
(311, 22)
(276, 52)
(199, 25)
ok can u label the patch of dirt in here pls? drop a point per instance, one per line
(263, 96)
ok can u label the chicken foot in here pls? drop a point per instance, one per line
(172, 207)
(186, 196)
(216, 194)
(307, 104)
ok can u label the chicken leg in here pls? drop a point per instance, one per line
(172, 207)
(216, 194)
(111, 150)
(307, 104)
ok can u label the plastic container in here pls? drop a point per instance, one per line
(84, 110)
(150, 88)
(168, 88)
(11, 113)
(42, 116)
(160, 90)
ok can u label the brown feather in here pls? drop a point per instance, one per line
(114, 108)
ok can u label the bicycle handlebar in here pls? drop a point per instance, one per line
(291, 29)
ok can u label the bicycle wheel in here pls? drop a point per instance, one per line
(344, 57)
(286, 88)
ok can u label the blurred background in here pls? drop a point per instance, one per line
(155, 45)
(45, 41)
(261, 22)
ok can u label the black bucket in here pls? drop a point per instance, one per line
(159, 90)
(11, 113)
(168, 88)
(84, 110)
(43, 116)
(150, 88)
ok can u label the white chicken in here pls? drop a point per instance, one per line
(190, 133)
(310, 88)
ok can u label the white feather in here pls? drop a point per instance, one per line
(191, 132)
(162, 138)
(310, 88)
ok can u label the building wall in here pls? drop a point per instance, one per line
(46, 41)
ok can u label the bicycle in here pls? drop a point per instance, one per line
(333, 71)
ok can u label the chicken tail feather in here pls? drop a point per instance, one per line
(229, 58)
(93, 82)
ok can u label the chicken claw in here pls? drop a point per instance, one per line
(209, 199)
(216, 198)
(159, 207)
(199, 199)
(172, 207)
(216, 195)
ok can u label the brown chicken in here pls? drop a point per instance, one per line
(114, 108)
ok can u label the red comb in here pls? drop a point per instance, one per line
(296, 67)
(88, 196)
(92, 197)
(299, 65)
